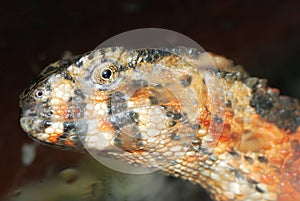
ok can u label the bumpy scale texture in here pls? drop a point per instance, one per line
(154, 108)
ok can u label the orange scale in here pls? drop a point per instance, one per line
(226, 128)
(286, 139)
(234, 163)
(52, 139)
(191, 159)
(174, 103)
(276, 160)
(206, 123)
(269, 179)
(66, 114)
(69, 143)
(224, 138)
(267, 147)
(100, 96)
(296, 195)
(105, 126)
(279, 141)
(285, 197)
(228, 114)
(58, 112)
(286, 186)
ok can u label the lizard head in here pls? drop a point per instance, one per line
(51, 108)
(114, 100)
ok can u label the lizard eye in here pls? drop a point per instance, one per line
(106, 73)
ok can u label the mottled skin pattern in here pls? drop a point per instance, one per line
(154, 108)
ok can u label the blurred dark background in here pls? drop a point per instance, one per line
(263, 36)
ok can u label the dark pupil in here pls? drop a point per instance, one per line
(106, 73)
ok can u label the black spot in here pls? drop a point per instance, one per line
(172, 135)
(238, 174)
(118, 107)
(169, 114)
(221, 74)
(172, 123)
(251, 82)
(249, 159)
(149, 55)
(119, 121)
(109, 111)
(118, 141)
(262, 103)
(118, 96)
(103, 60)
(230, 76)
(153, 100)
(66, 75)
(172, 162)
(177, 116)
(64, 136)
(177, 138)
(91, 56)
(196, 144)
(121, 68)
(205, 150)
(69, 126)
(212, 158)
(79, 93)
(246, 131)
(123, 119)
(47, 112)
(218, 119)
(262, 159)
(232, 152)
(118, 132)
(186, 80)
(251, 181)
(134, 116)
(78, 63)
(140, 143)
(131, 65)
(116, 103)
(47, 124)
(259, 189)
(228, 103)
(262, 83)
(138, 136)
(74, 138)
(196, 127)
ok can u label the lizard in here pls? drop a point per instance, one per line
(169, 109)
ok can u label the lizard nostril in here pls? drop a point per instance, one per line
(39, 93)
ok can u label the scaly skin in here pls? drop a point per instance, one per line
(170, 110)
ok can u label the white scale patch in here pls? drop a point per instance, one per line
(152, 121)
(95, 138)
(62, 88)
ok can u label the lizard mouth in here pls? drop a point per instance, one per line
(42, 123)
